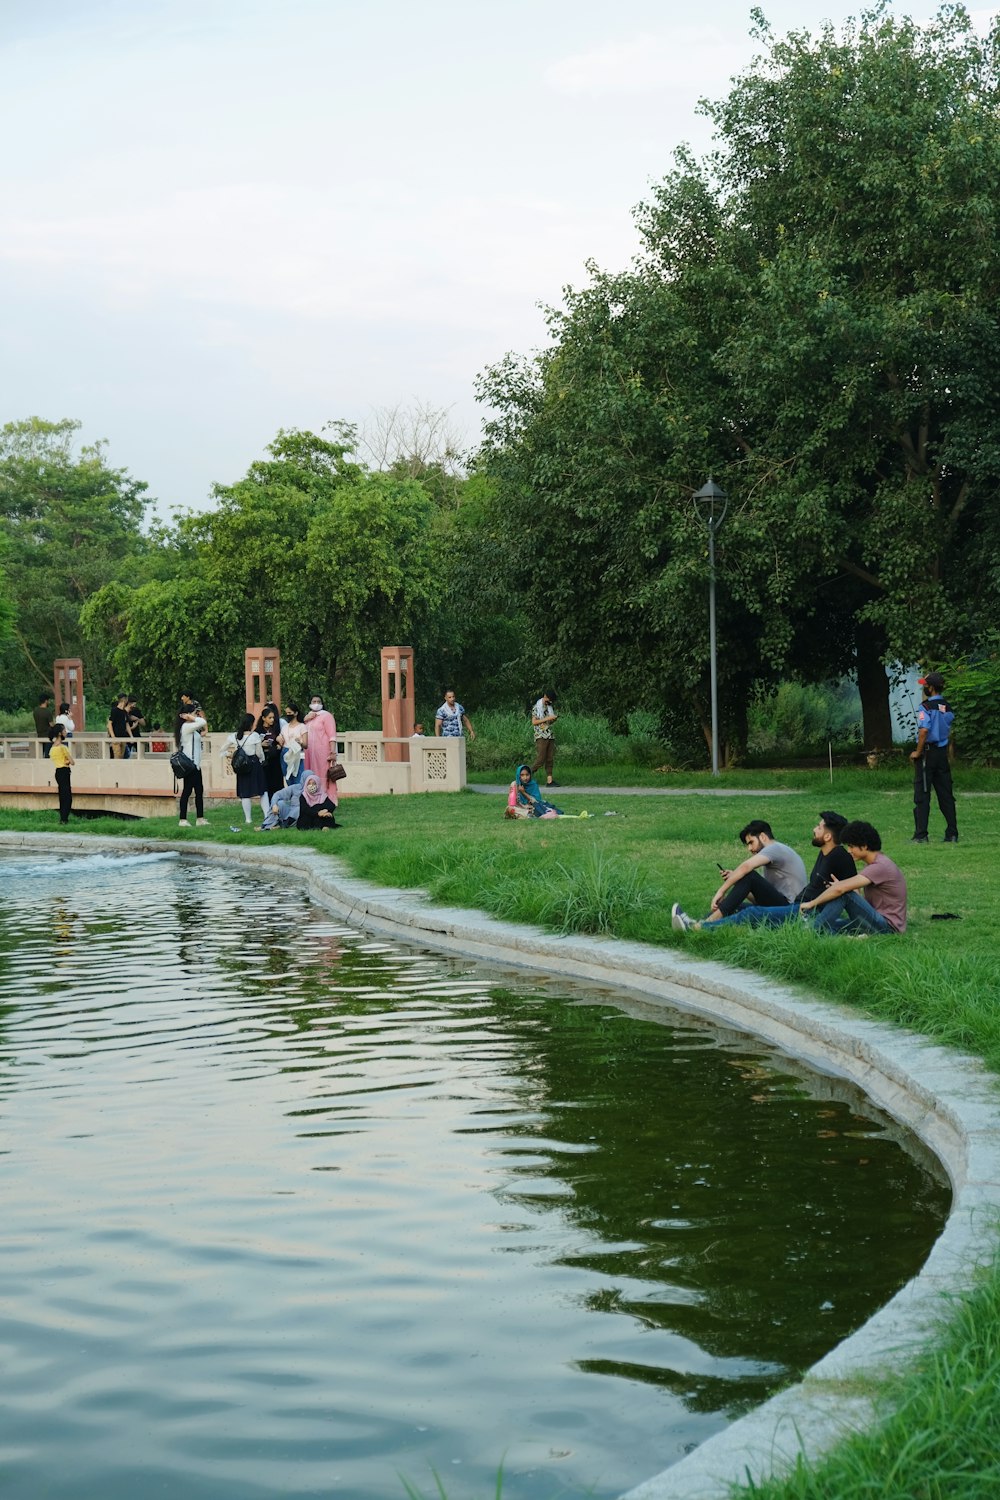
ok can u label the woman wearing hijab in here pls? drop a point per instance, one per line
(524, 799)
(250, 782)
(316, 810)
(284, 811)
(269, 729)
(321, 751)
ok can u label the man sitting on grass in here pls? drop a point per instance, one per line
(832, 863)
(842, 908)
(786, 875)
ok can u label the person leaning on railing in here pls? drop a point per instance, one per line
(118, 727)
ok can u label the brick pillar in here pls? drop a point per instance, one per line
(67, 677)
(263, 677)
(398, 692)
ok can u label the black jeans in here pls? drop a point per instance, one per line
(65, 793)
(754, 884)
(933, 770)
(193, 783)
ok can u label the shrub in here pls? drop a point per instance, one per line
(973, 691)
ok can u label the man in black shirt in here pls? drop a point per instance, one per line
(43, 721)
(133, 714)
(832, 863)
(118, 728)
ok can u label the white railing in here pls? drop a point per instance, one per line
(423, 765)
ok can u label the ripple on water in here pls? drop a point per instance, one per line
(288, 1210)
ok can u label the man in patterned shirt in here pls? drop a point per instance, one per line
(450, 717)
(543, 716)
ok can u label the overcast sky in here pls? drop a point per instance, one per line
(221, 217)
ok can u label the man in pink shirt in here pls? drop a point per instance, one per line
(874, 900)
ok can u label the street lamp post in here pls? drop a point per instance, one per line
(712, 503)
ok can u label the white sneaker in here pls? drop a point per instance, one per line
(202, 823)
(184, 823)
(679, 919)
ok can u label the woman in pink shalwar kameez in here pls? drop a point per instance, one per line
(321, 747)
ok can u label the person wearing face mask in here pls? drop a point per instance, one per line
(293, 741)
(321, 747)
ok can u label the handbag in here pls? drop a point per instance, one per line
(182, 765)
(336, 772)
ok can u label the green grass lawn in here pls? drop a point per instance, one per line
(619, 874)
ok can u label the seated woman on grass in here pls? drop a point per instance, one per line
(315, 808)
(524, 800)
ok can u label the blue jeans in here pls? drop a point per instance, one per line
(860, 916)
(756, 916)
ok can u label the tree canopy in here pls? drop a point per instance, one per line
(812, 318)
(69, 524)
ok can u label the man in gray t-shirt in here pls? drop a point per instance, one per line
(771, 875)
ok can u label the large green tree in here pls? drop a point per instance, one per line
(69, 524)
(814, 317)
(309, 552)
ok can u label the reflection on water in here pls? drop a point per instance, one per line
(288, 1211)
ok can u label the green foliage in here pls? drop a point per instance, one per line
(310, 553)
(70, 524)
(974, 693)
(799, 719)
(18, 722)
(7, 608)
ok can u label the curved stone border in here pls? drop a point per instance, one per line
(949, 1100)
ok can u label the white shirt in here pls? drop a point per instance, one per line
(191, 741)
(250, 742)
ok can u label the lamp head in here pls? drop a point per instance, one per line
(712, 503)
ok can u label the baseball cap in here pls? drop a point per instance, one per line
(932, 680)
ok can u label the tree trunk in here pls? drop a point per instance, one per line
(873, 685)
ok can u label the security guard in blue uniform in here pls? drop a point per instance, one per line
(932, 767)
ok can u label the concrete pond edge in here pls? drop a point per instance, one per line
(950, 1102)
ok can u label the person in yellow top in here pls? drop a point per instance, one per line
(61, 756)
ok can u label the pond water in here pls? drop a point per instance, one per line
(291, 1212)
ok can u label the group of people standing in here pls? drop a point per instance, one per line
(285, 761)
(125, 724)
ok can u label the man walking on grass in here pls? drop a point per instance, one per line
(832, 863)
(543, 716)
(772, 874)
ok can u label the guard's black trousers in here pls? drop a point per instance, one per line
(933, 770)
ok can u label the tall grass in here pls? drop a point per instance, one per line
(18, 722)
(504, 738)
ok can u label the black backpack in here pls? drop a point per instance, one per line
(182, 765)
(241, 761)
